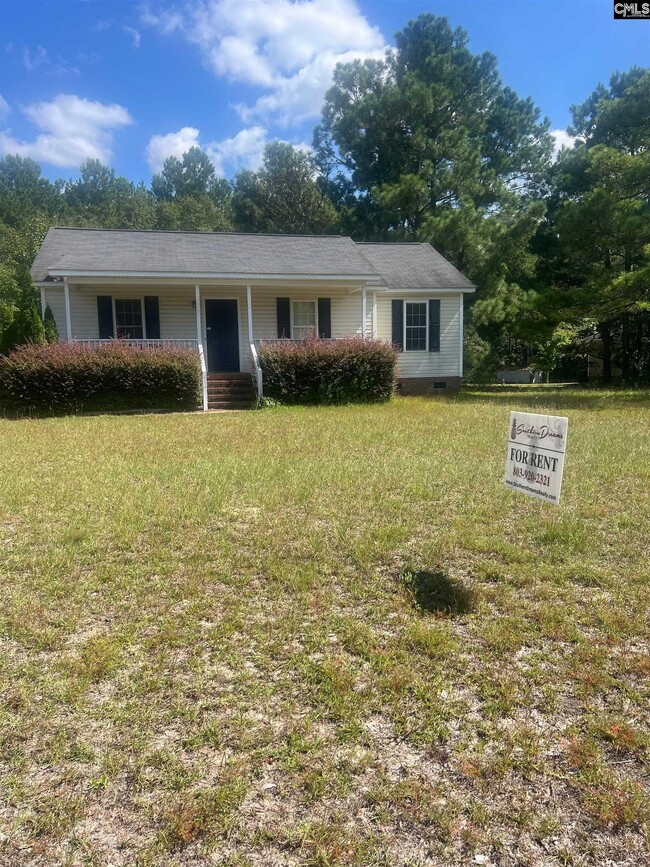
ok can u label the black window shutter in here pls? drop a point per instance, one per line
(152, 317)
(105, 316)
(398, 323)
(284, 317)
(434, 325)
(324, 317)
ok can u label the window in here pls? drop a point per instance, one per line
(304, 319)
(415, 326)
(128, 319)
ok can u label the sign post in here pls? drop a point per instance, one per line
(535, 458)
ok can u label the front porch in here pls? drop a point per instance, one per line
(224, 324)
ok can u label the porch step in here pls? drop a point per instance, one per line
(231, 404)
(244, 390)
(230, 391)
(228, 377)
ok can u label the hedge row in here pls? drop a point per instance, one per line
(338, 371)
(74, 377)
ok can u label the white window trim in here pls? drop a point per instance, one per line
(139, 298)
(426, 303)
(303, 301)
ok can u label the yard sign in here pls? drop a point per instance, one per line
(535, 459)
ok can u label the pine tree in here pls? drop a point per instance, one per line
(429, 145)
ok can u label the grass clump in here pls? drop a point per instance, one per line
(202, 812)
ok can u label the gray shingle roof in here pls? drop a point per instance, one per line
(398, 266)
(413, 266)
(92, 250)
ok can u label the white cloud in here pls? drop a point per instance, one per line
(166, 21)
(133, 33)
(73, 130)
(39, 58)
(562, 139)
(287, 49)
(32, 59)
(88, 57)
(4, 108)
(99, 26)
(245, 150)
(174, 144)
(62, 67)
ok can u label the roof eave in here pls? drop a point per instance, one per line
(446, 290)
(211, 275)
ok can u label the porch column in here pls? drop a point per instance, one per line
(249, 302)
(66, 298)
(43, 304)
(363, 312)
(197, 304)
(374, 315)
(199, 337)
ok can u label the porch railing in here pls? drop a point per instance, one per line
(204, 377)
(182, 343)
(256, 371)
(260, 341)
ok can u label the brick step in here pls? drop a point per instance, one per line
(235, 392)
(230, 391)
(249, 401)
(235, 383)
(231, 404)
(225, 394)
(228, 377)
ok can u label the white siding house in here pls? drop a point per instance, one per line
(223, 293)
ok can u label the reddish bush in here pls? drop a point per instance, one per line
(116, 376)
(336, 371)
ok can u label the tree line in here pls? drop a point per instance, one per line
(425, 145)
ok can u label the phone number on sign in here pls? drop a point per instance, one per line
(531, 476)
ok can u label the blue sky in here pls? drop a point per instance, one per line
(132, 82)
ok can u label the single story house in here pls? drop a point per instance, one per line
(223, 293)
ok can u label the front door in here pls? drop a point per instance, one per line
(222, 334)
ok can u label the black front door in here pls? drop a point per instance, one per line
(222, 333)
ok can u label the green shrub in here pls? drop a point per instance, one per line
(73, 377)
(26, 325)
(49, 326)
(337, 371)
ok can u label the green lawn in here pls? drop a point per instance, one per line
(325, 637)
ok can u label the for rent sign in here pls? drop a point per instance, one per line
(535, 459)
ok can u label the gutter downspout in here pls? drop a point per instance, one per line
(374, 316)
(462, 335)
